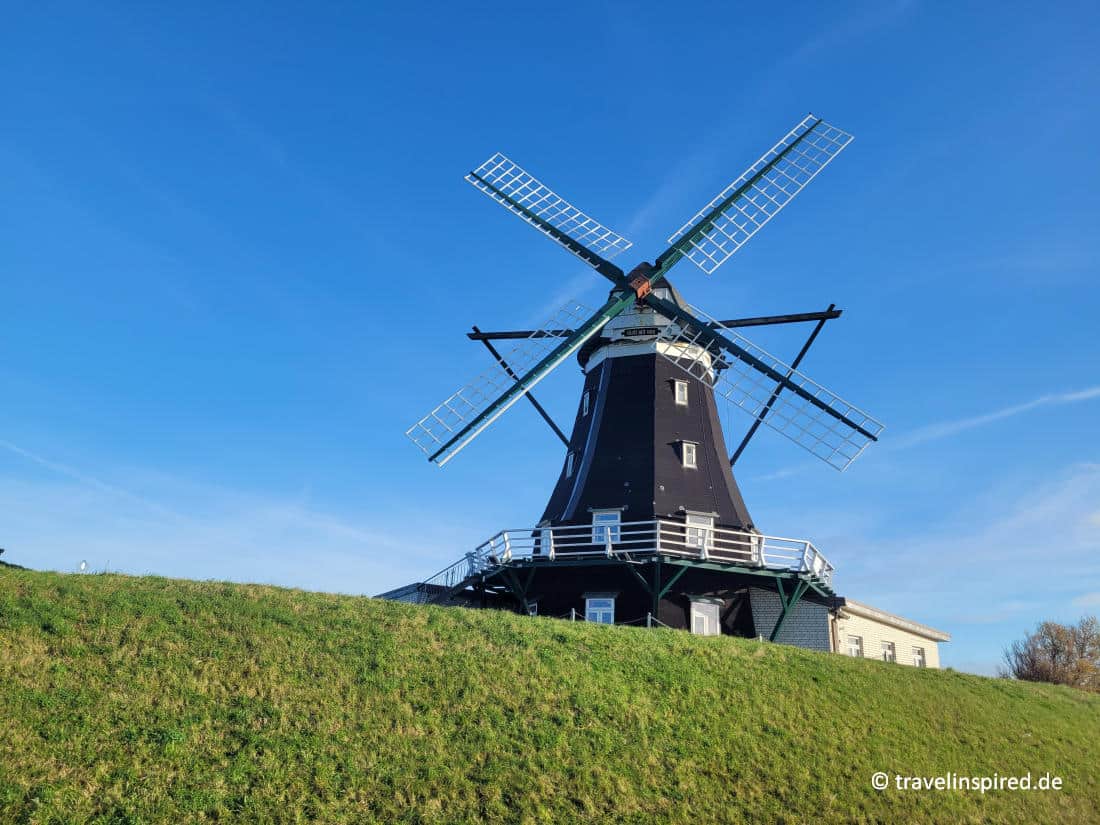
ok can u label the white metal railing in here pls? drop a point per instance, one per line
(635, 539)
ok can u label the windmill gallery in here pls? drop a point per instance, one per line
(646, 523)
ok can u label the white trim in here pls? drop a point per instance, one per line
(699, 530)
(602, 525)
(708, 612)
(689, 352)
(691, 463)
(680, 387)
(881, 616)
(602, 612)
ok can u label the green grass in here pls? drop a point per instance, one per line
(130, 700)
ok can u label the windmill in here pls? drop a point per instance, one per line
(646, 481)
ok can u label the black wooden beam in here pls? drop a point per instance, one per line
(775, 393)
(758, 321)
(500, 360)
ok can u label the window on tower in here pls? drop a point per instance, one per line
(688, 450)
(699, 529)
(680, 390)
(605, 524)
(584, 403)
(569, 465)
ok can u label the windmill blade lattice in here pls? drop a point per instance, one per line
(740, 210)
(522, 194)
(436, 432)
(825, 435)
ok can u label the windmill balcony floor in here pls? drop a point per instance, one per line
(634, 542)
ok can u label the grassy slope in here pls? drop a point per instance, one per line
(147, 700)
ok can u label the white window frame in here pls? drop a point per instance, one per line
(689, 455)
(606, 521)
(569, 464)
(599, 609)
(532, 608)
(855, 643)
(680, 392)
(700, 529)
(889, 652)
(584, 403)
(546, 540)
(708, 613)
(919, 657)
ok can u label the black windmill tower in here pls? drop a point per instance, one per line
(646, 521)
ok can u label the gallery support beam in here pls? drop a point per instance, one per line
(757, 321)
(787, 603)
(511, 374)
(775, 395)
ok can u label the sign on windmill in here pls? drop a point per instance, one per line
(744, 375)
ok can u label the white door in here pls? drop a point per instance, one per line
(704, 619)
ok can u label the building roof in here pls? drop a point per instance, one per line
(875, 614)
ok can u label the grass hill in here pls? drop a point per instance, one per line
(129, 700)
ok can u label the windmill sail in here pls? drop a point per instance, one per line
(522, 194)
(741, 209)
(832, 429)
(448, 428)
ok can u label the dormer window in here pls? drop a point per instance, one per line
(605, 525)
(680, 391)
(584, 403)
(569, 465)
(688, 451)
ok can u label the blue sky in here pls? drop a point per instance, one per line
(239, 259)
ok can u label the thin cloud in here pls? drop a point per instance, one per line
(82, 477)
(945, 429)
(225, 534)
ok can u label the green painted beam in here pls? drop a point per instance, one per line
(612, 307)
(668, 586)
(788, 604)
(678, 250)
(596, 261)
(708, 335)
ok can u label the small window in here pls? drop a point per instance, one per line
(687, 453)
(605, 523)
(888, 652)
(918, 657)
(569, 465)
(704, 619)
(680, 390)
(584, 403)
(600, 610)
(699, 531)
(532, 608)
(855, 646)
